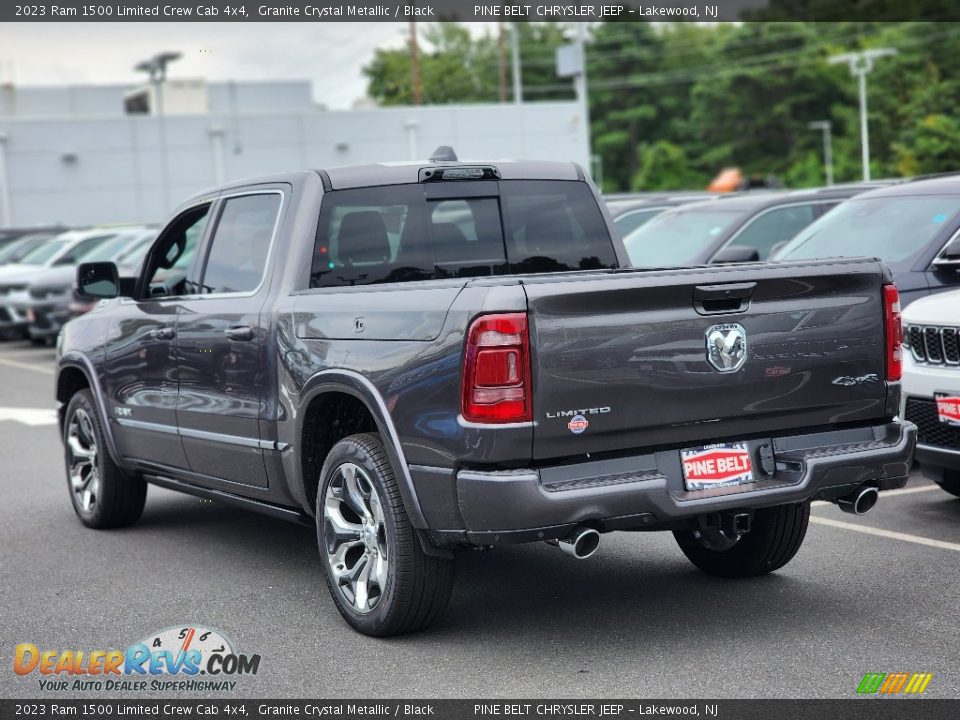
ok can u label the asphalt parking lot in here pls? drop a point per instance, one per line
(874, 594)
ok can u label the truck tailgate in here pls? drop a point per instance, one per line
(620, 360)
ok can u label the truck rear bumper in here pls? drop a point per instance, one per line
(647, 491)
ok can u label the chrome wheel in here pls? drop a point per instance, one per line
(355, 537)
(82, 458)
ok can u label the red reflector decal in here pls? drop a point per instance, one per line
(577, 424)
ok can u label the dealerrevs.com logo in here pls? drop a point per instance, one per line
(179, 658)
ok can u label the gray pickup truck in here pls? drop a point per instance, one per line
(422, 358)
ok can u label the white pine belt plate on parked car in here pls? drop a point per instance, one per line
(948, 408)
(719, 465)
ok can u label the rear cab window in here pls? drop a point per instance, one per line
(404, 233)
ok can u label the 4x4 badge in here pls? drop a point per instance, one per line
(727, 347)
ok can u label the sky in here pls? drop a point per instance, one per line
(330, 55)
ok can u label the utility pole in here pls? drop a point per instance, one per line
(825, 127)
(515, 59)
(502, 60)
(581, 85)
(861, 63)
(415, 63)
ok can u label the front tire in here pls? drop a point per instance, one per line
(103, 495)
(950, 482)
(378, 575)
(775, 536)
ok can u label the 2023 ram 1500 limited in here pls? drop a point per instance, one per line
(422, 358)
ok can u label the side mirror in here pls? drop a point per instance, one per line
(98, 280)
(950, 256)
(737, 253)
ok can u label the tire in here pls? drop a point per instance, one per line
(775, 535)
(950, 482)
(103, 495)
(378, 575)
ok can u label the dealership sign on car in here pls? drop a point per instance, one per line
(948, 408)
(716, 466)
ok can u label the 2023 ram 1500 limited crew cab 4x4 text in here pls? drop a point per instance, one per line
(420, 358)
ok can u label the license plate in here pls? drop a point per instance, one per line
(719, 465)
(948, 408)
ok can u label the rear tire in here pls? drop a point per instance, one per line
(376, 570)
(103, 495)
(950, 482)
(775, 536)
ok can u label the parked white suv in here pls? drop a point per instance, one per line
(931, 385)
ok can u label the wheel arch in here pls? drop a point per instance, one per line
(330, 388)
(74, 373)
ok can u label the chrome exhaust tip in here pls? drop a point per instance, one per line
(581, 543)
(859, 502)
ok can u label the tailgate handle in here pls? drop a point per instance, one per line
(728, 298)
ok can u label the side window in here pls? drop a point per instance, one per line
(775, 226)
(165, 268)
(241, 244)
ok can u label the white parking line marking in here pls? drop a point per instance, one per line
(24, 366)
(29, 416)
(916, 539)
(888, 493)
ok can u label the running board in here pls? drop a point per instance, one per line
(276, 511)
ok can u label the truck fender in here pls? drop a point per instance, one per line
(355, 384)
(82, 363)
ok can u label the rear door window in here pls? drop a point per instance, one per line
(241, 243)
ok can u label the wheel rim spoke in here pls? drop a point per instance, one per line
(352, 494)
(354, 536)
(82, 460)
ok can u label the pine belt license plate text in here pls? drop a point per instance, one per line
(948, 408)
(717, 465)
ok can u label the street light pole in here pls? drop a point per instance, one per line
(156, 68)
(515, 62)
(825, 127)
(861, 63)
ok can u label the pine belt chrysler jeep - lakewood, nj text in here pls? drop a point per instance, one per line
(426, 357)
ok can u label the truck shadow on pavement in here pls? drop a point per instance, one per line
(638, 585)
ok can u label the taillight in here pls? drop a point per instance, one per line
(496, 370)
(893, 332)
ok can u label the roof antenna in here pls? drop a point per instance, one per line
(444, 153)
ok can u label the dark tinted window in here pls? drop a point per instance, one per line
(241, 243)
(554, 226)
(398, 233)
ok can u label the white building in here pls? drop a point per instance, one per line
(97, 154)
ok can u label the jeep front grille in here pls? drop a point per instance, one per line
(933, 345)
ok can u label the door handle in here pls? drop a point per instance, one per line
(166, 333)
(726, 298)
(243, 332)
